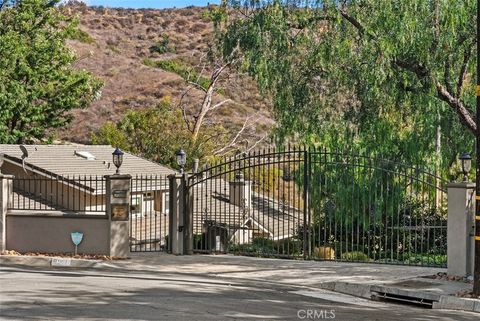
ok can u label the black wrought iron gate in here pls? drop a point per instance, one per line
(149, 221)
(319, 204)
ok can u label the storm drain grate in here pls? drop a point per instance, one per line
(383, 296)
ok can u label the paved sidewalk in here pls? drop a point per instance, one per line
(359, 279)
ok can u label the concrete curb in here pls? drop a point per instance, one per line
(456, 303)
(355, 289)
(51, 261)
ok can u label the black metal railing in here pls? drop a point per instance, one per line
(319, 204)
(67, 194)
(149, 213)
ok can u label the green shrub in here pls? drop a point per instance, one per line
(425, 259)
(178, 67)
(163, 46)
(355, 256)
(266, 247)
(81, 36)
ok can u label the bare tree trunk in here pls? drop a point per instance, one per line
(207, 101)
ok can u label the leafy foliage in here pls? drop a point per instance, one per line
(38, 84)
(394, 77)
(261, 246)
(157, 133)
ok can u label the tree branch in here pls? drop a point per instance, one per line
(184, 109)
(256, 143)
(463, 113)
(463, 70)
(220, 104)
(234, 141)
(198, 86)
(354, 22)
(414, 67)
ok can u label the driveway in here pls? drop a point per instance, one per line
(186, 293)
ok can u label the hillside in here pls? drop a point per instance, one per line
(114, 44)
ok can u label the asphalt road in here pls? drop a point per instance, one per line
(56, 294)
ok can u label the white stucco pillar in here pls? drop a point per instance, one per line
(118, 210)
(460, 228)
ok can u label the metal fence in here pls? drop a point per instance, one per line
(320, 204)
(149, 213)
(67, 194)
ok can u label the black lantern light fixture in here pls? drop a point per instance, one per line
(117, 159)
(181, 159)
(466, 163)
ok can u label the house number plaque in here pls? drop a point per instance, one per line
(119, 212)
(120, 194)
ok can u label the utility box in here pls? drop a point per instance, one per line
(240, 192)
(216, 236)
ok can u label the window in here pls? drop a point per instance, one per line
(166, 203)
(136, 206)
(161, 201)
(148, 196)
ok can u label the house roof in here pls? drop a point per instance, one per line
(212, 205)
(66, 160)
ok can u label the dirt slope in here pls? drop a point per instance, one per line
(114, 45)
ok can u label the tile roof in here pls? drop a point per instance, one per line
(211, 204)
(61, 160)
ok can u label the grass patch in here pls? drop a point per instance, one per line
(113, 48)
(82, 36)
(181, 69)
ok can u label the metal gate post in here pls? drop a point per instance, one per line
(180, 216)
(306, 223)
(187, 216)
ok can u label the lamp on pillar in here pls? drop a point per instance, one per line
(466, 164)
(181, 159)
(117, 159)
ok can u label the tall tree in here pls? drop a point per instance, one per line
(38, 84)
(387, 75)
(157, 133)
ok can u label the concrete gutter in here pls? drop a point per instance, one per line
(49, 261)
(438, 301)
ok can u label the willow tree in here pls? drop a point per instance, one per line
(39, 85)
(393, 76)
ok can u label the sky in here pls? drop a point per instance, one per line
(150, 3)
